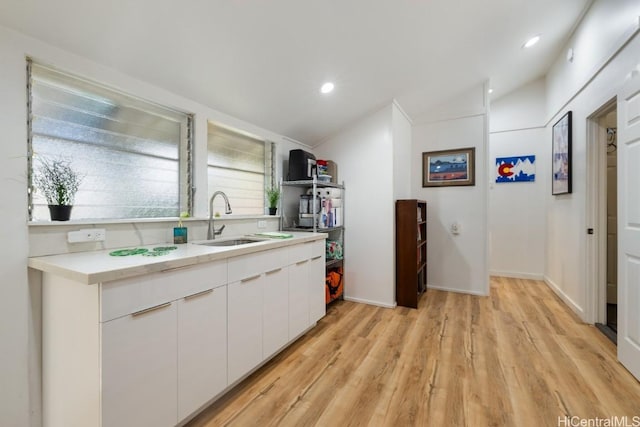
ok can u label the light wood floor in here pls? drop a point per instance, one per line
(517, 358)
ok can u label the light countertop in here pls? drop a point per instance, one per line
(99, 266)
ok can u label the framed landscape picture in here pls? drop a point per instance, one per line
(447, 168)
(561, 156)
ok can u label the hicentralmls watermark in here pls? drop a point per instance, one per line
(614, 421)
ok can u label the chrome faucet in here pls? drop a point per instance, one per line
(212, 232)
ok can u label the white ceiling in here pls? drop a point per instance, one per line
(264, 61)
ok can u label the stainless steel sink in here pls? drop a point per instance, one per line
(231, 242)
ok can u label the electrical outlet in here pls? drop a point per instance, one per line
(262, 223)
(99, 234)
(87, 235)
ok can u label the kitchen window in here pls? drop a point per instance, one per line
(134, 156)
(241, 166)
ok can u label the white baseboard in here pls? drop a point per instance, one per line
(385, 305)
(458, 291)
(370, 302)
(516, 275)
(565, 298)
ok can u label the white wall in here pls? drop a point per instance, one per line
(517, 210)
(524, 108)
(455, 262)
(20, 296)
(517, 213)
(401, 136)
(605, 27)
(567, 240)
(364, 154)
(14, 300)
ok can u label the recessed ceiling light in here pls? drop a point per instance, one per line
(533, 40)
(490, 90)
(327, 87)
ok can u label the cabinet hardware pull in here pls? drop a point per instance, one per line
(168, 270)
(150, 309)
(301, 262)
(316, 257)
(250, 278)
(198, 294)
(274, 271)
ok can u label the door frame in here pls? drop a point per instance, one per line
(596, 219)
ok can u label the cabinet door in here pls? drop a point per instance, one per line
(202, 348)
(139, 369)
(298, 298)
(275, 316)
(317, 304)
(245, 326)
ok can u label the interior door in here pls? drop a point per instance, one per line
(629, 224)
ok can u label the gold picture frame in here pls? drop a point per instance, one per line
(449, 168)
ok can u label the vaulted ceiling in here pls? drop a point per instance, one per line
(264, 61)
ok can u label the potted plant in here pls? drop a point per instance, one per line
(273, 196)
(59, 183)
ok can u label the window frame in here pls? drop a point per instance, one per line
(268, 162)
(185, 149)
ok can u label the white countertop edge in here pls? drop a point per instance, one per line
(63, 264)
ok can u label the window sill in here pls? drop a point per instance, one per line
(44, 223)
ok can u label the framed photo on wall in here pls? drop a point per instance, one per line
(561, 156)
(448, 168)
(516, 169)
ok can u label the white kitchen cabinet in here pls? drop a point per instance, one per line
(316, 283)
(275, 315)
(202, 348)
(150, 349)
(198, 334)
(139, 368)
(298, 298)
(258, 309)
(244, 303)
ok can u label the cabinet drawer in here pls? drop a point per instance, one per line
(300, 252)
(275, 259)
(249, 265)
(243, 266)
(122, 297)
(318, 248)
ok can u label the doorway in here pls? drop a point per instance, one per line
(612, 222)
(604, 166)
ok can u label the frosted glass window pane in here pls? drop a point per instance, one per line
(127, 150)
(244, 189)
(240, 166)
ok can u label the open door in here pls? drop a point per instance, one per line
(629, 224)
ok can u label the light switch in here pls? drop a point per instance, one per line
(455, 228)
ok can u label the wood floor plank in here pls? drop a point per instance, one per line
(517, 357)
